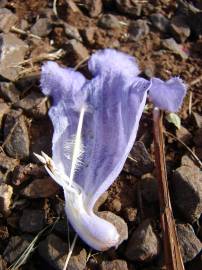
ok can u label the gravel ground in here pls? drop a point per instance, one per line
(166, 39)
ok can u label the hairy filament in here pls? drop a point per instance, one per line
(77, 145)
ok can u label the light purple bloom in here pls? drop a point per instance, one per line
(102, 116)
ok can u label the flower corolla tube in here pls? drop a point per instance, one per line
(95, 125)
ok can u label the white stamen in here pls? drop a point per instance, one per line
(77, 145)
(40, 158)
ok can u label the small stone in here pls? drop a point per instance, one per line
(187, 189)
(4, 108)
(143, 245)
(138, 29)
(149, 188)
(183, 134)
(77, 50)
(94, 7)
(89, 35)
(7, 163)
(118, 222)
(16, 246)
(22, 173)
(180, 28)
(6, 192)
(47, 12)
(7, 20)
(41, 188)
(23, 24)
(108, 21)
(42, 27)
(41, 132)
(13, 51)
(9, 92)
(78, 262)
(160, 22)
(54, 251)
(176, 48)
(198, 137)
(187, 161)
(116, 205)
(16, 136)
(114, 265)
(101, 200)
(130, 214)
(198, 119)
(129, 7)
(32, 220)
(72, 32)
(190, 245)
(34, 104)
(139, 161)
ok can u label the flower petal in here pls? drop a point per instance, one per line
(109, 130)
(115, 99)
(167, 95)
(108, 60)
(64, 86)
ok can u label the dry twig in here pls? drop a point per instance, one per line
(81, 63)
(25, 33)
(195, 81)
(55, 7)
(70, 252)
(37, 59)
(187, 147)
(190, 102)
(172, 255)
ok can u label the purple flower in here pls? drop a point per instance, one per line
(95, 125)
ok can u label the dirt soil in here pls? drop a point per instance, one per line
(133, 196)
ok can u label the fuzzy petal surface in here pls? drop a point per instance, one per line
(167, 95)
(64, 86)
(112, 127)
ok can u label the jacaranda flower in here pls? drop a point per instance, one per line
(95, 125)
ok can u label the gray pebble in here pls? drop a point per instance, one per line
(14, 50)
(138, 29)
(108, 21)
(7, 20)
(160, 22)
(42, 27)
(16, 136)
(54, 251)
(190, 245)
(187, 189)
(32, 220)
(180, 28)
(144, 244)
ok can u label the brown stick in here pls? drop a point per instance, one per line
(172, 255)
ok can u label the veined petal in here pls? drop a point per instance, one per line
(115, 99)
(95, 125)
(64, 86)
(167, 95)
(110, 60)
(109, 130)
